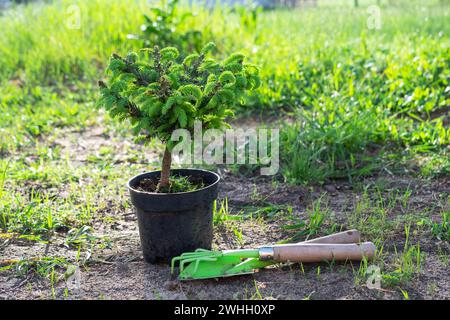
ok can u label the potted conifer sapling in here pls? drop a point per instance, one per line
(159, 94)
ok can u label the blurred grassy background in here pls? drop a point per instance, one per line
(356, 99)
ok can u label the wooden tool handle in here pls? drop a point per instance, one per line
(317, 252)
(349, 236)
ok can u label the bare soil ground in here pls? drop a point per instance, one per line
(118, 271)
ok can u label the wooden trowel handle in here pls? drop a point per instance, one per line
(318, 252)
(349, 236)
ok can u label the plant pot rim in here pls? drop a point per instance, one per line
(175, 193)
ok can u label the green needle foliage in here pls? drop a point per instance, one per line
(159, 94)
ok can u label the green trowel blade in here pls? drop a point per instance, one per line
(227, 263)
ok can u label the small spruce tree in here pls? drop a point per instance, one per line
(159, 94)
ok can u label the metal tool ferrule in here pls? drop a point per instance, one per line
(266, 253)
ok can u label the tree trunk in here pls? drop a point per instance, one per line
(165, 170)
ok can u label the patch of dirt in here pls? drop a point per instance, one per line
(98, 143)
(118, 271)
(121, 273)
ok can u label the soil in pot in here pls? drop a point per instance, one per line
(177, 184)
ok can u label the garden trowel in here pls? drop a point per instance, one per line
(204, 264)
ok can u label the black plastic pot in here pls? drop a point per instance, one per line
(173, 223)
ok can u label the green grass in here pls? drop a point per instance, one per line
(221, 213)
(38, 46)
(406, 264)
(350, 102)
(267, 211)
(225, 220)
(439, 229)
(318, 219)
